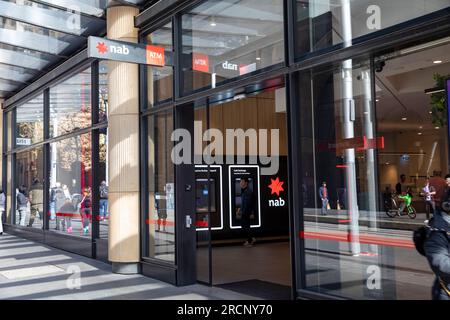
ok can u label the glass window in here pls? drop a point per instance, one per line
(103, 91)
(29, 188)
(70, 104)
(9, 200)
(70, 186)
(324, 23)
(226, 39)
(30, 122)
(104, 184)
(9, 129)
(160, 79)
(161, 186)
(373, 160)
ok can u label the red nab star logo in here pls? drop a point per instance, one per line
(102, 48)
(276, 186)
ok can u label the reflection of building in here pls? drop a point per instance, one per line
(356, 117)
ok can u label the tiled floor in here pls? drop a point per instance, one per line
(29, 270)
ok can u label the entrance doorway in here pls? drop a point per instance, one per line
(242, 170)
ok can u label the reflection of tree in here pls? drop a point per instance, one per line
(438, 102)
(31, 130)
(77, 149)
(73, 121)
(102, 144)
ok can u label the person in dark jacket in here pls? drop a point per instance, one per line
(247, 211)
(437, 248)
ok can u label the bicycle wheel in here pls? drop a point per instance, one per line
(412, 214)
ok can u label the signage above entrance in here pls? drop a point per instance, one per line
(103, 48)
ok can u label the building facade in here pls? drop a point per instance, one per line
(331, 116)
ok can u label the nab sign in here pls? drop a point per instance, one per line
(103, 48)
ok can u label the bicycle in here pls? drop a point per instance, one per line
(394, 209)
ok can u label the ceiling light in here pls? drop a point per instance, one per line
(420, 127)
(437, 128)
(437, 61)
(212, 22)
(419, 133)
(431, 112)
(378, 100)
(258, 58)
(404, 119)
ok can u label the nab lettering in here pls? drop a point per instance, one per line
(119, 49)
(277, 203)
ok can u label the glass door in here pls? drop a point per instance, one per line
(203, 200)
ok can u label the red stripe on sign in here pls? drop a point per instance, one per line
(363, 239)
(160, 222)
(201, 224)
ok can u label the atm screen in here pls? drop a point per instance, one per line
(202, 193)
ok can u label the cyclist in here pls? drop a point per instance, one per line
(407, 199)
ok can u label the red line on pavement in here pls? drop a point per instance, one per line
(363, 239)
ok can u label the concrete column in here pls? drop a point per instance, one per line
(123, 149)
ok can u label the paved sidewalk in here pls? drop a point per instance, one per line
(31, 271)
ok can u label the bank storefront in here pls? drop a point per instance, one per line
(328, 115)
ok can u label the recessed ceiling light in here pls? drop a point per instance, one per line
(404, 119)
(437, 61)
(420, 127)
(437, 128)
(258, 58)
(419, 133)
(378, 100)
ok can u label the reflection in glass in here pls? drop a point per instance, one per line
(70, 186)
(324, 23)
(29, 189)
(160, 79)
(226, 39)
(161, 186)
(104, 184)
(70, 104)
(103, 91)
(30, 122)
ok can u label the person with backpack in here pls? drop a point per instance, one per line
(103, 200)
(433, 241)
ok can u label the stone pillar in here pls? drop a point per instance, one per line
(123, 152)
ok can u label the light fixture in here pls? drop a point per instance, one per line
(437, 128)
(434, 90)
(437, 61)
(212, 22)
(419, 133)
(420, 127)
(258, 58)
(404, 119)
(431, 112)
(378, 100)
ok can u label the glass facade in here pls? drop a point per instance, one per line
(223, 40)
(322, 24)
(362, 169)
(70, 105)
(71, 185)
(160, 80)
(161, 187)
(29, 188)
(30, 122)
(50, 186)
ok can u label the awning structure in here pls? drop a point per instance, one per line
(37, 35)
